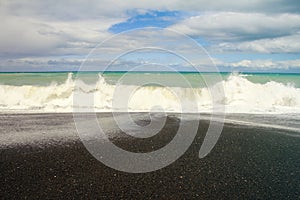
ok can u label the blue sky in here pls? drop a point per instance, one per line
(150, 18)
(240, 35)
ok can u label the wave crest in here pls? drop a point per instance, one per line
(241, 96)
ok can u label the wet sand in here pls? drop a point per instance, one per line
(246, 163)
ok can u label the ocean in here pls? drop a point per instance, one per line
(256, 99)
(44, 153)
(243, 93)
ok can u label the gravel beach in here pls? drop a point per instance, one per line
(42, 157)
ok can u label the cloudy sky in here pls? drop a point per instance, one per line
(259, 36)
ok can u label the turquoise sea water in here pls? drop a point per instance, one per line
(46, 78)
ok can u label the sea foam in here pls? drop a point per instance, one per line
(241, 96)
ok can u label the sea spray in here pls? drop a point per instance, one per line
(241, 96)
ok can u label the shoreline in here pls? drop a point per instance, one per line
(247, 162)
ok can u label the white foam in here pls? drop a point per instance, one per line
(241, 96)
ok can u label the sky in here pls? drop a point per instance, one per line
(246, 36)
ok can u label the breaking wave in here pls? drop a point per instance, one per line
(241, 96)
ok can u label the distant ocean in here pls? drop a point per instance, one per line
(244, 93)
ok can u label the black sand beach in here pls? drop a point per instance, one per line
(247, 163)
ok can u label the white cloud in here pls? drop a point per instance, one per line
(67, 10)
(82, 9)
(36, 29)
(267, 6)
(265, 64)
(74, 27)
(286, 44)
(39, 28)
(245, 32)
(32, 36)
(232, 26)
